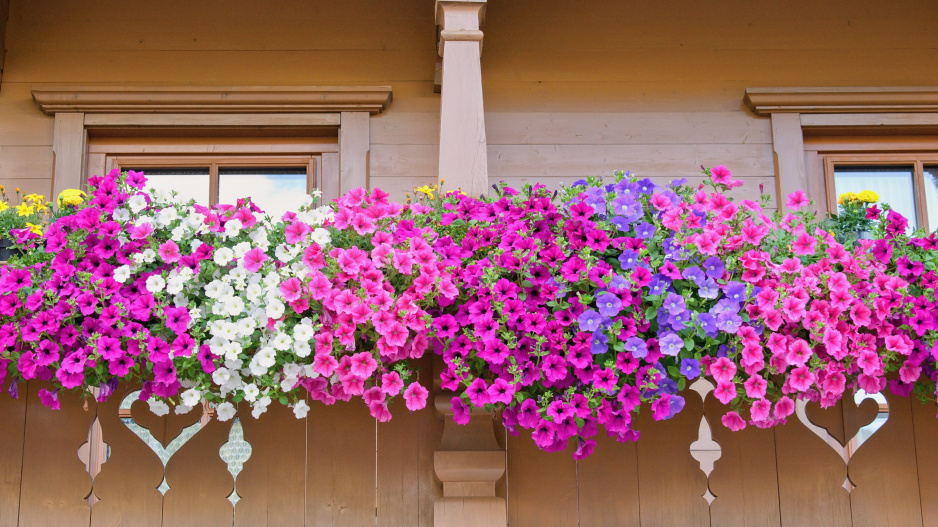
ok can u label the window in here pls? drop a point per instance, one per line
(902, 169)
(275, 172)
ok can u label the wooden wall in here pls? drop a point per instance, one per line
(339, 467)
(571, 88)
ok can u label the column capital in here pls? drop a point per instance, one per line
(447, 9)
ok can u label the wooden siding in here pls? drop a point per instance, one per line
(569, 90)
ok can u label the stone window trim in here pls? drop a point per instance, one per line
(794, 112)
(78, 109)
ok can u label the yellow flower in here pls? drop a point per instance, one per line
(34, 198)
(868, 196)
(3, 206)
(845, 197)
(36, 229)
(23, 210)
(426, 190)
(71, 196)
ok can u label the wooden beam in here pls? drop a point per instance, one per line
(148, 120)
(4, 18)
(788, 150)
(869, 120)
(354, 147)
(209, 99)
(765, 101)
(68, 151)
(463, 155)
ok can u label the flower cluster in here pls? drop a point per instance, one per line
(568, 310)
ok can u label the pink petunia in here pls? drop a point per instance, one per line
(783, 408)
(391, 383)
(141, 232)
(721, 174)
(733, 421)
(296, 232)
(169, 252)
(760, 410)
(291, 289)
(797, 200)
(804, 245)
(415, 396)
(254, 259)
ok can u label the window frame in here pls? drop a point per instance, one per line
(916, 161)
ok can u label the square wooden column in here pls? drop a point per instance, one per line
(469, 462)
(463, 157)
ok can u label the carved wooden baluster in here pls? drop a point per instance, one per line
(406, 486)
(340, 465)
(271, 483)
(811, 475)
(127, 485)
(744, 478)
(884, 467)
(198, 479)
(56, 484)
(13, 417)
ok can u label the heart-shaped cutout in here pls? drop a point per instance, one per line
(847, 425)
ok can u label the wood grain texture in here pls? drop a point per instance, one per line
(810, 478)
(744, 477)
(271, 485)
(542, 486)
(13, 417)
(340, 465)
(127, 485)
(55, 483)
(925, 427)
(607, 483)
(30, 165)
(354, 146)
(405, 478)
(199, 481)
(671, 484)
(884, 469)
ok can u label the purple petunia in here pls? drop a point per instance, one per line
(636, 347)
(674, 303)
(644, 230)
(589, 320)
(671, 343)
(628, 259)
(599, 343)
(714, 267)
(609, 304)
(690, 368)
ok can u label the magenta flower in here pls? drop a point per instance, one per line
(254, 259)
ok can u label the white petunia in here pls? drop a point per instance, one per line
(136, 204)
(254, 292)
(233, 227)
(121, 215)
(149, 255)
(182, 409)
(300, 409)
(287, 383)
(275, 308)
(220, 376)
(179, 233)
(251, 392)
(167, 216)
(303, 332)
(234, 306)
(223, 256)
(191, 397)
(282, 341)
(266, 357)
(241, 248)
(225, 411)
(321, 236)
(174, 285)
(214, 288)
(246, 326)
(301, 348)
(122, 273)
(158, 407)
(155, 283)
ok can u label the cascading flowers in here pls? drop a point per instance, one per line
(569, 310)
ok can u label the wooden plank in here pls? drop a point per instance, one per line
(110, 120)
(330, 177)
(407, 161)
(340, 465)
(406, 128)
(271, 485)
(354, 145)
(673, 161)
(884, 468)
(542, 487)
(671, 484)
(788, 148)
(26, 162)
(293, 67)
(925, 428)
(744, 477)
(872, 120)
(607, 483)
(56, 484)
(199, 481)
(810, 478)
(406, 486)
(163, 428)
(631, 128)
(68, 151)
(127, 485)
(13, 417)
(23, 124)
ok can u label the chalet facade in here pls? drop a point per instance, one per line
(395, 94)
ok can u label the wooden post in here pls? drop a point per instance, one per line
(788, 150)
(463, 157)
(354, 146)
(469, 462)
(68, 151)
